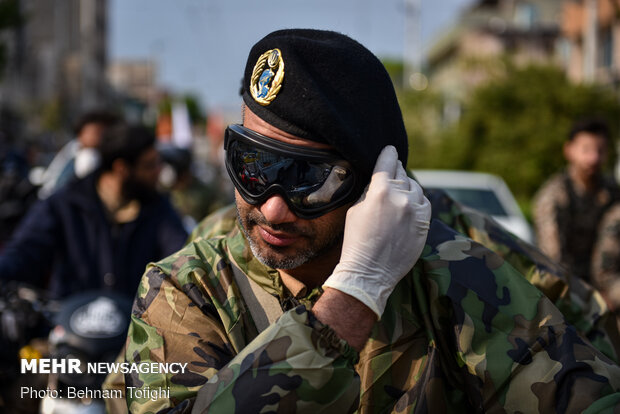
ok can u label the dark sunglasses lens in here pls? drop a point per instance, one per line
(334, 183)
(250, 166)
(307, 184)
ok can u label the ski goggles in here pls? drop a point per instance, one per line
(311, 181)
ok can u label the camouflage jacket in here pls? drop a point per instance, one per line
(567, 220)
(606, 256)
(463, 331)
(582, 305)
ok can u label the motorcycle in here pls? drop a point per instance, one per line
(59, 374)
(25, 318)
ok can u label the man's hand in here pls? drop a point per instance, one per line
(385, 232)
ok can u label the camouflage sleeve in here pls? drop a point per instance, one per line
(545, 212)
(284, 366)
(296, 365)
(581, 305)
(166, 327)
(513, 347)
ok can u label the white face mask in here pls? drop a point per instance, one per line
(167, 176)
(86, 161)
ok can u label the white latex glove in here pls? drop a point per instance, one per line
(384, 234)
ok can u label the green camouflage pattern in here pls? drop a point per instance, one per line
(464, 331)
(582, 305)
(219, 223)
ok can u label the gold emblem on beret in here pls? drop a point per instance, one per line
(267, 77)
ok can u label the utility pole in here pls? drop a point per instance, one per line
(412, 54)
(590, 29)
(92, 51)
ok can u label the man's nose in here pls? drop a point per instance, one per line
(276, 211)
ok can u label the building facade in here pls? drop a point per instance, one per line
(56, 60)
(471, 51)
(591, 29)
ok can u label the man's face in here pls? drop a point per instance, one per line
(90, 135)
(277, 237)
(586, 153)
(143, 177)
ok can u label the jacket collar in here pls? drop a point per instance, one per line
(82, 193)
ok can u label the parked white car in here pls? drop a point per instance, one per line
(487, 193)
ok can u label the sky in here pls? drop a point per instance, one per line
(200, 46)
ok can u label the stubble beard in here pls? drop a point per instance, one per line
(331, 238)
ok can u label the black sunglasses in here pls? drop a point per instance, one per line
(311, 181)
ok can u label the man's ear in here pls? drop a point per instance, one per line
(120, 168)
(566, 150)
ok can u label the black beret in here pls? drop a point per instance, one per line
(326, 87)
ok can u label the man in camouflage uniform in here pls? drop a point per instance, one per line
(569, 206)
(581, 305)
(458, 328)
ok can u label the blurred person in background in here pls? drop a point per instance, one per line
(78, 157)
(569, 206)
(191, 197)
(98, 232)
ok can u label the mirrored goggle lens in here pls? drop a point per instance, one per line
(308, 184)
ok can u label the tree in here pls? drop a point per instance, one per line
(421, 114)
(515, 126)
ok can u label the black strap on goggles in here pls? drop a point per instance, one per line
(312, 181)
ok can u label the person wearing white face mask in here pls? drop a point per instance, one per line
(78, 157)
(98, 232)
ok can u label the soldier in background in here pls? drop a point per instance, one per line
(359, 305)
(569, 206)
